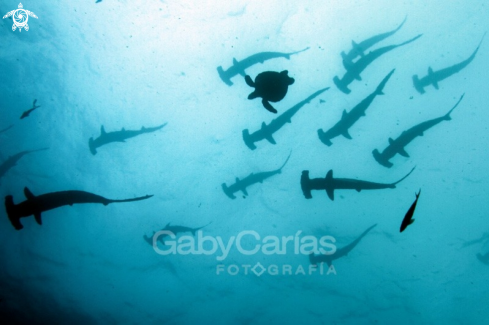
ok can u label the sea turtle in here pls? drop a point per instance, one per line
(271, 86)
(20, 17)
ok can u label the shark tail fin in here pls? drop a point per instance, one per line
(380, 87)
(394, 184)
(447, 115)
(12, 212)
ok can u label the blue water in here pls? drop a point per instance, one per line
(128, 64)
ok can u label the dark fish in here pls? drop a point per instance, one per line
(408, 218)
(26, 113)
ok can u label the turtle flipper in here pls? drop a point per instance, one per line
(268, 106)
(253, 95)
(249, 82)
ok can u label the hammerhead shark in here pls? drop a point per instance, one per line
(35, 205)
(12, 160)
(267, 131)
(358, 50)
(239, 67)
(348, 119)
(331, 184)
(175, 230)
(397, 146)
(117, 136)
(434, 77)
(353, 72)
(26, 113)
(7, 128)
(253, 178)
(322, 258)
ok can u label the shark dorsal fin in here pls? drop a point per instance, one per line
(344, 114)
(237, 179)
(37, 216)
(102, 130)
(235, 61)
(123, 129)
(28, 194)
(329, 175)
(263, 125)
(391, 141)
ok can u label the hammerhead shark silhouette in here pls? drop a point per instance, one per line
(358, 50)
(397, 146)
(7, 128)
(331, 184)
(353, 72)
(253, 178)
(35, 205)
(26, 113)
(434, 77)
(267, 131)
(348, 119)
(328, 259)
(239, 67)
(12, 160)
(117, 136)
(175, 230)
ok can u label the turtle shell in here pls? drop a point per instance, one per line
(272, 86)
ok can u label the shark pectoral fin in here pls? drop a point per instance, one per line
(403, 153)
(411, 221)
(357, 77)
(358, 189)
(245, 192)
(431, 76)
(37, 216)
(330, 192)
(346, 134)
(102, 130)
(28, 194)
(270, 139)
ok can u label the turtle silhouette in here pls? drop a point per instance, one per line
(271, 86)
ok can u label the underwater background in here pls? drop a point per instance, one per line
(128, 64)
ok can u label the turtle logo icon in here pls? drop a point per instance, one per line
(20, 17)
